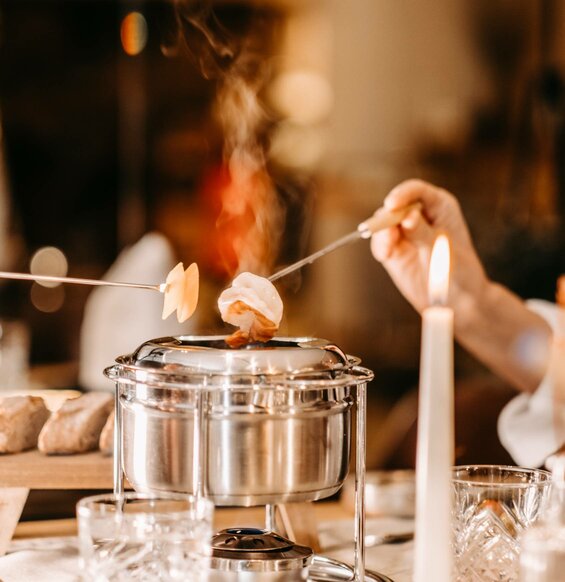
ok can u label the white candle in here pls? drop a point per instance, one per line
(435, 445)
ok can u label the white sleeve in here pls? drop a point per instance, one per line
(525, 425)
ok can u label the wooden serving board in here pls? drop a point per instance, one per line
(34, 470)
(21, 472)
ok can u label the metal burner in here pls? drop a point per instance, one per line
(263, 556)
(257, 555)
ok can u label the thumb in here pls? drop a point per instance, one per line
(383, 243)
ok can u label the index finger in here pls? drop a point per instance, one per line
(411, 191)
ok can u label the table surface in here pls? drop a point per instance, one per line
(50, 547)
(223, 518)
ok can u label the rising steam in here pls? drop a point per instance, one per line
(250, 203)
(206, 40)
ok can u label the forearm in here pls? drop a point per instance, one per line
(505, 335)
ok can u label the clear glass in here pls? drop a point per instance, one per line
(146, 538)
(543, 554)
(493, 504)
(542, 557)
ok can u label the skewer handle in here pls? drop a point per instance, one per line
(384, 218)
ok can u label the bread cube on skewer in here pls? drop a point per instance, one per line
(181, 292)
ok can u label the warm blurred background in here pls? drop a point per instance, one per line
(119, 118)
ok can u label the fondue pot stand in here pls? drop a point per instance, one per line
(264, 424)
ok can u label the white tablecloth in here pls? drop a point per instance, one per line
(41, 560)
(56, 559)
(394, 560)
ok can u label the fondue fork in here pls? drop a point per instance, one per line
(380, 220)
(74, 280)
(383, 218)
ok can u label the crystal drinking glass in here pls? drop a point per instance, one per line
(142, 537)
(492, 505)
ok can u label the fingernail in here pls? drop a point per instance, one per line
(412, 220)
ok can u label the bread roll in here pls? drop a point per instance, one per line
(76, 426)
(107, 436)
(21, 419)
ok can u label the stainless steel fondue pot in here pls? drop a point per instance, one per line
(265, 424)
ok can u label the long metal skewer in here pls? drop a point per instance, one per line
(344, 240)
(97, 282)
(382, 219)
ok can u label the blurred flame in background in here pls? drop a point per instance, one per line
(48, 296)
(133, 33)
(249, 225)
(298, 147)
(305, 97)
(47, 300)
(49, 261)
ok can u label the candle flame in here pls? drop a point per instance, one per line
(438, 281)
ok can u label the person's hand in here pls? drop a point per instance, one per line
(405, 250)
(490, 321)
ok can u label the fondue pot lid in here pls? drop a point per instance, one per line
(250, 549)
(211, 355)
(208, 362)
